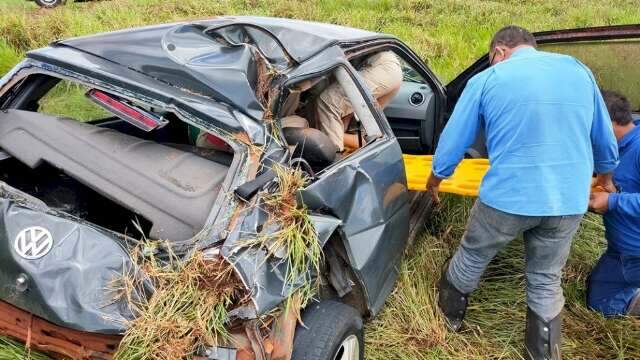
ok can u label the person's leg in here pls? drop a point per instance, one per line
(546, 250)
(331, 106)
(607, 290)
(488, 230)
(631, 269)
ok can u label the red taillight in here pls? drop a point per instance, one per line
(133, 115)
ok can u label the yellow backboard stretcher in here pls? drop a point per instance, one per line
(465, 180)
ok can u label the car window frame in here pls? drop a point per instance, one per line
(19, 76)
(377, 114)
(413, 60)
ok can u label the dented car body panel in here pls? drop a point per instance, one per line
(187, 57)
(369, 194)
(66, 287)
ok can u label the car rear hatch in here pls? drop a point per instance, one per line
(57, 267)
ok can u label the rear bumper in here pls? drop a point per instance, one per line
(47, 337)
(58, 341)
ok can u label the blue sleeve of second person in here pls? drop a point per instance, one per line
(603, 141)
(625, 203)
(461, 129)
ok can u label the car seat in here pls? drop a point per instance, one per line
(310, 144)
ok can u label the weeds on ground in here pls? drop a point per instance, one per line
(410, 326)
(13, 350)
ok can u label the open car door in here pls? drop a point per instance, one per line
(611, 52)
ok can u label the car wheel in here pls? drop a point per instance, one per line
(49, 3)
(331, 331)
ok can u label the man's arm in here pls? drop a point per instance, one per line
(351, 141)
(625, 203)
(461, 129)
(603, 142)
(459, 133)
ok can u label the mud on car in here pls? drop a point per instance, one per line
(78, 191)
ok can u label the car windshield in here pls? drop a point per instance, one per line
(410, 75)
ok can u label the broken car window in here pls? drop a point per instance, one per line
(409, 74)
(68, 99)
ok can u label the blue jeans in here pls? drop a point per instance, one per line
(547, 241)
(613, 283)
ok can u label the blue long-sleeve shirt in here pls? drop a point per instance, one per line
(622, 220)
(546, 127)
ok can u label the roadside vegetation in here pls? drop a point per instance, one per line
(450, 35)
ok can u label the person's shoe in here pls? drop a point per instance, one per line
(542, 338)
(451, 302)
(634, 306)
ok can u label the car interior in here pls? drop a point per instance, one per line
(307, 141)
(411, 115)
(105, 170)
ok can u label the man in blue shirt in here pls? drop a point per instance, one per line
(547, 129)
(614, 284)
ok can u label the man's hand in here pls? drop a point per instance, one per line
(605, 182)
(433, 186)
(599, 202)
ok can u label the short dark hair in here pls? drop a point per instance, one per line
(512, 36)
(618, 106)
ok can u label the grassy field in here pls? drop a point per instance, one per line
(449, 35)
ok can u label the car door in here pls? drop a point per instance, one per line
(367, 190)
(416, 110)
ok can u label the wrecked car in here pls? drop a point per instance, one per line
(49, 4)
(99, 152)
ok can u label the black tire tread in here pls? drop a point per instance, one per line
(47, 6)
(326, 324)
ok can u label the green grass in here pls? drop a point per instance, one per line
(67, 99)
(410, 327)
(12, 3)
(12, 350)
(449, 35)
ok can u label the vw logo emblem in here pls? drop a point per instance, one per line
(33, 242)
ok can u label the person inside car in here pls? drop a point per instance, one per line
(547, 127)
(614, 285)
(333, 112)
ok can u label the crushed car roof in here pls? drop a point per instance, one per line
(217, 58)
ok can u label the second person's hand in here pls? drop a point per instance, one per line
(599, 202)
(605, 182)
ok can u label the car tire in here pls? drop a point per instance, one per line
(331, 331)
(49, 3)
